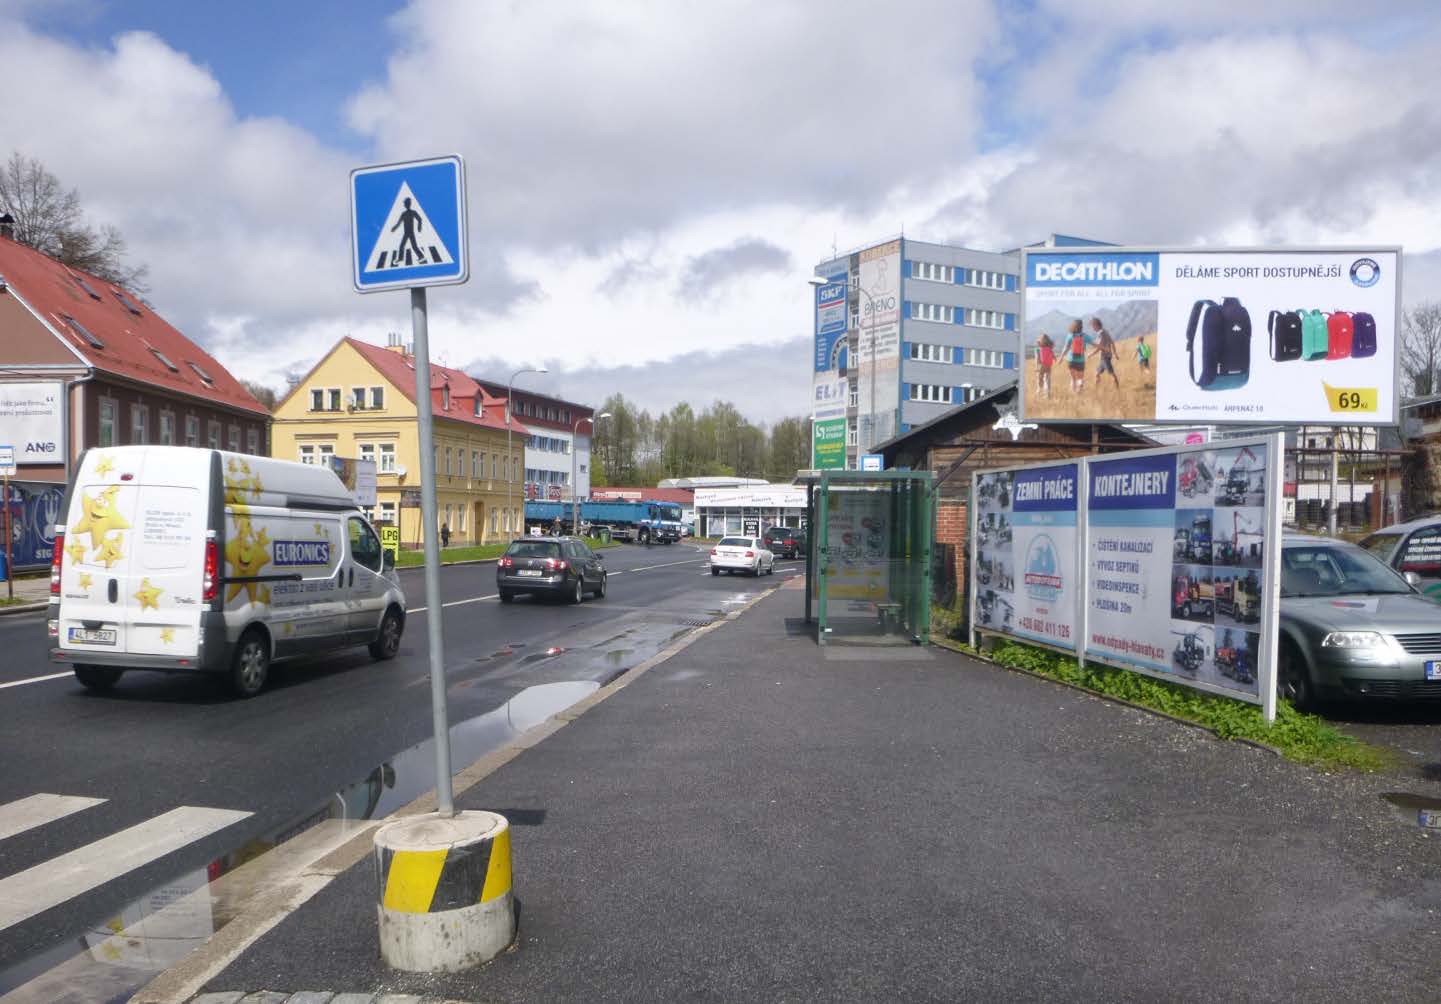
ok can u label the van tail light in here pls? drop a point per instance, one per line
(210, 585)
(55, 564)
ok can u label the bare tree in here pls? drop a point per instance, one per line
(1421, 347)
(265, 395)
(48, 218)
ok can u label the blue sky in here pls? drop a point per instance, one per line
(295, 59)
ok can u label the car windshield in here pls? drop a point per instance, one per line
(533, 549)
(1327, 570)
(736, 542)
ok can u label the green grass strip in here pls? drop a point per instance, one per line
(1303, 738)
(485, 552)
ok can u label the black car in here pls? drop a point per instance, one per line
(785, 541)
(563, 566)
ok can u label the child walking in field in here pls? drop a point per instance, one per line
(1045, 359)
(1106, 349)
(1077, 341)
(1143, 353)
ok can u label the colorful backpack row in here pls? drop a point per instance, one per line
(1311, 334)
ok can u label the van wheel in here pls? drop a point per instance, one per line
(97, 678)
(250, 666)
(387, 642)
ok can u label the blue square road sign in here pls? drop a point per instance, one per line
(408, 225)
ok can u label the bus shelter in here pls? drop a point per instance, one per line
(868, 561)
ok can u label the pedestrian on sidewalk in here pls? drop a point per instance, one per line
(445, 535)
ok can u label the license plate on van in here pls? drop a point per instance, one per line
(1433, 669)
(92, 636)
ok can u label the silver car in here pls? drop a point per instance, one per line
(1351, 627)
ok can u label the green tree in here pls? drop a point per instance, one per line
(790, 449)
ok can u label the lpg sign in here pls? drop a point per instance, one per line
(30, 419)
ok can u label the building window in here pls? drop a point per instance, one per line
(192, 430)
(931, 353)
(984, 279)
(333, 399)
(448, 470)
(933, 312)
(853, 397)
(323, 453)
(252, 442)
(992, 358)
(307, 454)
(851, 434)
(387, 512)
(969, 393)
(445, 398)
(317, 400)
(475, 463)
(139, 424)
(985, 318)
(107, 423)
(377, 397)
(357, 398)
(494, 465)
(932, 392)
(212, 435)
(234, 439)
(366, 451)
(932, 271)
(387, 458)
(167, 428)
(493, 519)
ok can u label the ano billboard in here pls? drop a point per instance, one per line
(1206, 337)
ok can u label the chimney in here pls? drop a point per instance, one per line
(7, 226)
(393, 343)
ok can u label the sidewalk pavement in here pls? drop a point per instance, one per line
(761, 818)
(32, 591)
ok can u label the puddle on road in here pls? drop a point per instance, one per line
(117, 955)
(1418, 810)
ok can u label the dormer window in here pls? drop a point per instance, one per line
(82, 331)
(445, 398)
(201, 373)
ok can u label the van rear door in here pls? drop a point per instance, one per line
(164, 578)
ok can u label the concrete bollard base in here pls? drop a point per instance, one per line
(445, 898)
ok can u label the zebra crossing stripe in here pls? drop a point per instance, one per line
(50, 883)
(37, 810)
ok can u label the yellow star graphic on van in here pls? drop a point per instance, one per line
(98, 516)
(111, 551)
(148, 595)
(320, 530)
(76, 550)
(167, 636)
(104, 465)
(246, 553)
(265, 595)
(85, 580)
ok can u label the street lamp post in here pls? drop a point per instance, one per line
(816, 280)
(575, 472)
(509, 456)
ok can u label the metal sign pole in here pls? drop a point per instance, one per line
(9, 560)
(445, 804)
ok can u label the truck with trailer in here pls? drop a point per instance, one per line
(641, 522)
(1240, 598)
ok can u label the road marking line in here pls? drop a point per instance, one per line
(37, 810)
(668, 564)
(33, 679)
(478, 599)
(53, 882)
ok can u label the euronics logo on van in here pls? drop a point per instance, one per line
(1099, 269)
(301, 552)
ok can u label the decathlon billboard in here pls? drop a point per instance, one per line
(1201, 336)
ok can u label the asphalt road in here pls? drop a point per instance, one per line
(314, 737)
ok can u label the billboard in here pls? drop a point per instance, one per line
(1158, 561)
(828, 444)
(828, 395)
(1199, 336)
(30, 421)
(878, 347)
(1027, 553)
(358, 476)
(831, 317)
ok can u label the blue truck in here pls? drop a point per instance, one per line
(641, 522)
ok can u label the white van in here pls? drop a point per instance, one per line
(191, 560)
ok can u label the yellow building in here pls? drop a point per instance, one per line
(359, 402)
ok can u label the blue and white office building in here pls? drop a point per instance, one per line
(926, 327)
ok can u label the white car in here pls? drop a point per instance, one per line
(742, 554)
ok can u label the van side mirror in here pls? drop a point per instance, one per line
(1413, 579)
(387, 560)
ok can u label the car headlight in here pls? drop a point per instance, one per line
(1353, 639)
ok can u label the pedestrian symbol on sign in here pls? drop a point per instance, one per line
(398, 245)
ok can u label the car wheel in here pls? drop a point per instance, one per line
(250, 666)
(714, 570)
(1185, 610)
(387, 642)
(1295, 677)
(506, 596)
(97, 678)
(600, 589)
(578, 594)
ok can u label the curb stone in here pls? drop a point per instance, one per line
(315, 997)
(23, 608)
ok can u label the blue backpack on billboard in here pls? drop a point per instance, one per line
(1363, 336)
(1224, 330)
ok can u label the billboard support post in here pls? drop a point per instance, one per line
(1331, 503)
(1271, 584)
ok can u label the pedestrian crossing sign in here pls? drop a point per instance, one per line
(408, 224)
